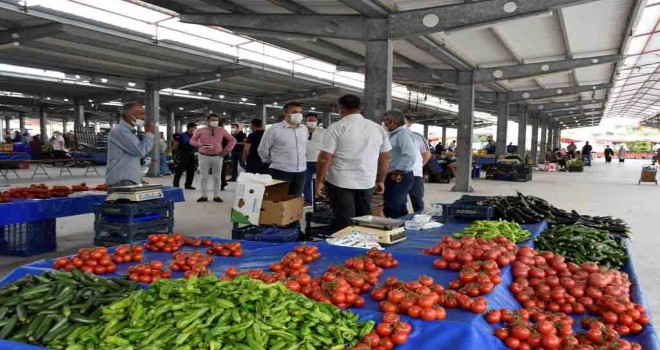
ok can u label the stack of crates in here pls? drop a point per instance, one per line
(119, 223)
(28, 238)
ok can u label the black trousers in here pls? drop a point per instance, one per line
(416, 194)
(348, 203)
(186, 164)
(296, 180)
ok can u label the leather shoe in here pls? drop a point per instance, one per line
(218, 200)
(203, 199)
(190, 188)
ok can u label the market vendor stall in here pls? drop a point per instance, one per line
(460, 330)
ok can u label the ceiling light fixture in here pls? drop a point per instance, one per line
(131, 84)
(104, 80)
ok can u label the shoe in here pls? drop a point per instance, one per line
(308, 203)
(218, 200)
(190, 188)
(203, 199)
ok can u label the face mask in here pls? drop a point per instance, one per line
(214, 123)
(137, 122)
(296, 118)
(311, 125)
(233, 130)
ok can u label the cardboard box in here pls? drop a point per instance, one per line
(257, 204)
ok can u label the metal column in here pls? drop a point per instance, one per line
(21, 121)
(522, 132)
(465, 129)
(260, 111)
(79, 114)
(444, 137)
(7, 127)
(551, 136)
(544, 134)
(170, 124)
(502, 124)
(151, 116)
(557, 137)
(327, 119)
(426, 132)
(378, 79)
(534, 153)
(43, 122)
(179, 126)
(65, 121)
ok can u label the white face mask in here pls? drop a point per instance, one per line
(296, 118)
(214, 123)
(137, 122)
(311, 125)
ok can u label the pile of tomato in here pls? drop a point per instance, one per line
(164, 242)
(60, 191)
(148, 273)
(90, 260)
(601, 336)
(295, 262)
(192, 263)
(380, 259)
(196, 241)
(258, 274)
(39, 191)
(229, 249)
(457, 253)
(477, 278)
(128, 253)
(390, 332)
(330, 288)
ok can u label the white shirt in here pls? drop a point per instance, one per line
(355, 143)
(418, 168)
(284, 147)
(314, 144)
(57, 146)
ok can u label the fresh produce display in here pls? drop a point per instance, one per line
(90, 260)
(164, 243)
(207, 313)
(42, 309)
(531, 210)
(233, 249)
(457, 253)
(196, 241)
(295, 262)
(128, 253)
(533, 328)
(148, 273)
(193, 264)
(335, 289)
(491, 229)
(60, 191)
(389, 333)
(5, 197)
(42, 191)
(580, 244)
(574, 163)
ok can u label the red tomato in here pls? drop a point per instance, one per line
(414, 311)
(384, 329)
(399, 338)
(428, 314)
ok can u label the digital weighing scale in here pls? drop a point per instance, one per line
(383, 230)
(134, 193)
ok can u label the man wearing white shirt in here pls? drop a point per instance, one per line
(284, 146)
(354, 157)
(314, 141)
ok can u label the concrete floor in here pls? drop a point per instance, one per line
(604, 189)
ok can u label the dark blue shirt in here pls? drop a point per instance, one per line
(185, 146)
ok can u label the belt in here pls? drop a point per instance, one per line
(210, 155)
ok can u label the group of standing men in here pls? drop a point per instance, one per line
(353, 159)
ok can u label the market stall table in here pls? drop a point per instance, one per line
(461, 329)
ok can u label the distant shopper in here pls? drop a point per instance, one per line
(622, 154)
(439, 148)
(125, 149)
(185, 157)
(354, 156)
(284, 147)
(36, 150)
(511, 148)
(314, 141)
(403, 156)
(58, 144)
(608, 154)
(237, 152)
(251, 157)
(164, 167)
(208, 141)
(656, 156)
(416, 192)
(8, 138)
(571, 150)
(452, 146)
(586, 153)
(18, 138)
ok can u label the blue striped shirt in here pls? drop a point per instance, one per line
(124, 152)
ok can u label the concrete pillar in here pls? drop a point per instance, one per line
(522, 132)
(151, 116)
(444, 137)
(551, 136)
(378, 79)
(179, 127)
(79, 113)
(43, 122)
(465, 129)
(21, 121)
(170, 124)
(502, 124)
(65, 121)
(544, 141)
(86, 121)
(426, 132)
(534, 153)
(327, 119)
(260, 111)
(7, 127)
(557, 134)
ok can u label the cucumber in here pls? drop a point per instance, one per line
(8, 327)
(44, 327)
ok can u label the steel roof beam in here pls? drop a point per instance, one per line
(548, 107)
(432, 48)
(365, 7)
(196, 79)
(17, 35)
(578, 116)
(516, 96)
(393, 26)
(572, 113)
(299, 95)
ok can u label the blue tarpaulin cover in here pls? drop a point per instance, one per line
(30, 210)
(461, 330)
(7, 156)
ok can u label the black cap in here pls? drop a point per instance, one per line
(191, 125)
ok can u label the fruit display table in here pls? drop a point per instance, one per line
(460, 330)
